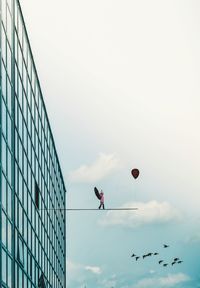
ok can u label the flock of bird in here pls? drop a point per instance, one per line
(160, 262)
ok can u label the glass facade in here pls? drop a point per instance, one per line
(32, 233)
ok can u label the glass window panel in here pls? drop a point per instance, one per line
(20, 278)
(9, 61)
(25, 280)
(20, 155)
(4, 149)
(33, 270)
(25, 167)
(3, 72)
(20, 91)
(20, 192)
(16, 212)
(20, 251)
(10, 4)
(29, 265)
(9, 130)
(8, 95)
(4, 267)
(20, 219)
(16, 275)
(25, 228)
(24, 75)
(25, 197)
(3, 7)
(9, 201)
(25, 137)
(4, 191)
(9, 26)
(4, 229)
(20, 123)
(9, 236)
(4, 118)
(3, 46)
(29, 206)
(25, 258)
(29, 235)
(9, 272)
(25, 50)
(9, 167)
(16, 122)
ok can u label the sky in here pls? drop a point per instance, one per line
(120, 80)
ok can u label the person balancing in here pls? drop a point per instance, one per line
(101, 200)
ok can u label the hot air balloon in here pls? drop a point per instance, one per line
(135, 173)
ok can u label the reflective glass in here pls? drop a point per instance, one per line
(4, 229)
(20, 251)
(4, 191)
(9, 272)
(9, 236)
(4, 266)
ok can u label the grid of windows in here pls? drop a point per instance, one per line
(32, 239)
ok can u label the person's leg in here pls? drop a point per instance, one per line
(103, 206)
(100, 206)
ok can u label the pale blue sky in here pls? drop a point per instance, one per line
(120, 80)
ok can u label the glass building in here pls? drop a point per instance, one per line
(32, 232)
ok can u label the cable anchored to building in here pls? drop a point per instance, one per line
(90, 209)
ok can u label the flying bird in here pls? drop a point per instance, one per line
(176, 259)
(144, 256)
(179, 262)
(149, 254)
(165, 246)
(133, 255)
(136, 258)
(156, 253)
(165, 265)
(160, 261)
(173, 263)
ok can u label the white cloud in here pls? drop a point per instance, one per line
(104, 165)
(151, 212)
(93, 269)
(168, 281)
(75, 269)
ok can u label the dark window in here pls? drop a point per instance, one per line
(41, 282)
(36, 195)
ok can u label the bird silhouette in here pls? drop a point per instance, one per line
(144, 256)
(137, 258)
(176, 259)
(173, 263)
(165, 246)
(133, 255)
(149, 254)
(165, 264)
(156, 253)
(160, 261)
(179, 262)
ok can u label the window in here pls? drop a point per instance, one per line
(4, 191)
(36, 195)
(29, 270)
(4, 266)
(20, 251)
(41, 281)
(9, 271)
